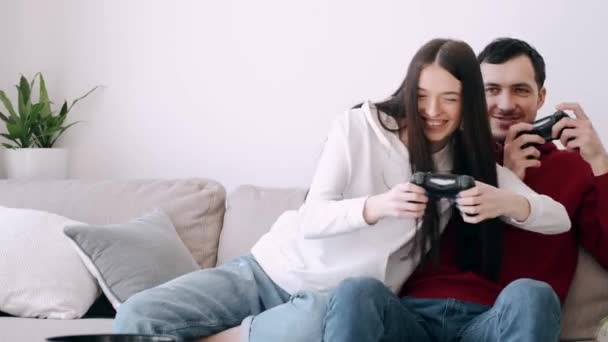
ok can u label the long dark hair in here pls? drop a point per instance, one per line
(479, 246)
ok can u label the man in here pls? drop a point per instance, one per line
(445, 301)
(514, 75)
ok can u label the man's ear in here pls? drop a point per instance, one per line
(542, 95)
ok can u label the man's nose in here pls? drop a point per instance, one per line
(505, 102)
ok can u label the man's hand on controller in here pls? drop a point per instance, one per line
(579, 134)
(516, 157)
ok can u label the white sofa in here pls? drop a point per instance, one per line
(216, 229)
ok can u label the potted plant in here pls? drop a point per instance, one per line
(33, 130)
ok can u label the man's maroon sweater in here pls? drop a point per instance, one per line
(568, 179)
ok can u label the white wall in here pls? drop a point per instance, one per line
(244, 91)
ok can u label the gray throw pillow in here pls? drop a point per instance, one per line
(131, 257)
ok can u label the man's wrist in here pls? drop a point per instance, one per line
(599, 165)
(369, 211)
(519, 210)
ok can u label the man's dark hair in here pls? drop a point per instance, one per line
(502, 50)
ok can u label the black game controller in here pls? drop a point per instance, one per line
(441, 184)
(542, 127)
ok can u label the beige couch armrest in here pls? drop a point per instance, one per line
(587, 301)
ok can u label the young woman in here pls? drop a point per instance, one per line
(362, 216)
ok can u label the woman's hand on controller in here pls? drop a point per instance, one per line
(484, 201)
(404, 200)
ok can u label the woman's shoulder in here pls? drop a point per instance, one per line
(364, 124)
(355, 114)
(352, 120)
(361, 116)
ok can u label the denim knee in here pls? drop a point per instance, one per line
(298, 320)
(360, 296)
(314, 305)
(534, 295)
(364, 309)
(135, 316)
(357, 289)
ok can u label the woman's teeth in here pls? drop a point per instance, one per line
(435, 123)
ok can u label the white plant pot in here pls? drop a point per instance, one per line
(36, 163)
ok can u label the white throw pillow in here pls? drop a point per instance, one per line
(41, 275)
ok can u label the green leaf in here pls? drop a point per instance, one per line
(24, 88)
(18, 132)
(34, 80)
(37, 142)
(10, 137)
(14, 129)
(7, 103)
(49, 132)
(9, 146)
(82, 97)
(61, 132)
(25, 94)
(59, 120)
(26, 142)
(7, 136)
(20, 102)
(25, 105)
(37, 107)
(64, 109)
(44, 98)
(4, 118)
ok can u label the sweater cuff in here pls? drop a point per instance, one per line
(354, 216)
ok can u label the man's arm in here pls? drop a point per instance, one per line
(592, 217)
(592, 220)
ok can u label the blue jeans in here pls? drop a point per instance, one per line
(363, 309)
(209, 301)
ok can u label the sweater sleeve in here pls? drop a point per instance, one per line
(326, 212)
(547, 216)
(592, 219)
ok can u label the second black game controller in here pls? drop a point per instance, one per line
(442, 185)
(543, 127)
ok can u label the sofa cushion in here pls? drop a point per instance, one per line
(41, 275)
(38, 330)
(250, 212)
(196, 206)
(133, 256)
(587, 301)
(101, 308)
